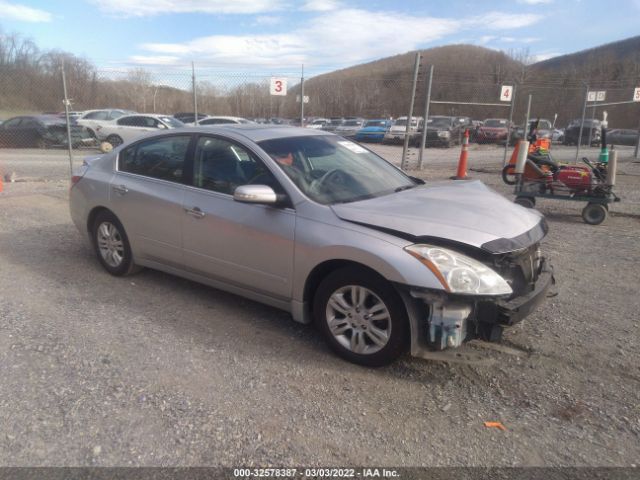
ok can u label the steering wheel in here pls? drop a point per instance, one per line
(336, 176)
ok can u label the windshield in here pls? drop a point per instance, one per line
(542, 124)
(439, 122)
(588, 122)
(376, 123)
(336, 121)
(352, 123)
(172, 122)
(495, 123)
(329, 169)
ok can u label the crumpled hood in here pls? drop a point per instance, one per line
(465, 212)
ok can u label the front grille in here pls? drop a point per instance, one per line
(520, 269)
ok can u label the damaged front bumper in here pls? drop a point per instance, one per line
(440, 320)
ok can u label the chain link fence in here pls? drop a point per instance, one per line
(32, 103)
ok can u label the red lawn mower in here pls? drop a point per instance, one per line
(541, 176)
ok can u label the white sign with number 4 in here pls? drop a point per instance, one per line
(278, 86)
(506, 93)
(636, 95)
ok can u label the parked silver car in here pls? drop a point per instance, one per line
(317, 225)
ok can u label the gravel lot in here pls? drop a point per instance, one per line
(154, 370)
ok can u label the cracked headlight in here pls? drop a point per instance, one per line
(459, 273)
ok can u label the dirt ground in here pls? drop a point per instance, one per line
(155, 370)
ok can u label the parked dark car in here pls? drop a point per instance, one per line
(590, 130)
(622, 136)
(441, 131)
(334, 122)
(189, 117)
(41, 131)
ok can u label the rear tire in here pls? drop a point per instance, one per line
(361, 317)
(594, 213)
(115, 140)
(111, 245)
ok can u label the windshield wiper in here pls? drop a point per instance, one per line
(404, 187)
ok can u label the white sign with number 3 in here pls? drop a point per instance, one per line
(506, 93)
(278, 86)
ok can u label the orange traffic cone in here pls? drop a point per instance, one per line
(462, 163)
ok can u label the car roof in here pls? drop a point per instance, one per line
(256, 132)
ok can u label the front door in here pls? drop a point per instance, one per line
(246, 245)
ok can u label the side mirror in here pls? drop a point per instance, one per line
(261, 194)
(162, 126)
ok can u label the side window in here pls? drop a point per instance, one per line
(13, 123)
(126, 121)
(115, 114)
(29, 123)
(101, 115)
(158, 158)
(222, 166)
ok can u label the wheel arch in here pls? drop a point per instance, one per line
(91, 218)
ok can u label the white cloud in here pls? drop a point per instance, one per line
(340, 37)
(503, 21)
(321, 5)
(141, 8)
(540, 57)
(267, 20)
(23, 13)
(155, 59)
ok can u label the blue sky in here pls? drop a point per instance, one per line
(322, 34)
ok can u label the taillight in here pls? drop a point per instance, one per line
(75, 179)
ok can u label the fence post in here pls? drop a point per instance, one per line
(404, 164)
(526, 120)
(427, 101)
(635, 153)
(66, 114)
(302, 97)
(513, 101)
(584, 113)
(593, 115)
(195, 94)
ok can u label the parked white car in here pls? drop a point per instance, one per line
(91, 119)
(398, 130)
(220, 120)
(318, 123)
(131, 127)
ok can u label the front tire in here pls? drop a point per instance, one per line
(361, 317)
(595, 213)
(111, 245)
(509, 174)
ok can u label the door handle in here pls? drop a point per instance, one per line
(195, 212)
(121, 189)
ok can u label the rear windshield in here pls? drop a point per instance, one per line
(440, 122)
(495, 123)
(375, 123)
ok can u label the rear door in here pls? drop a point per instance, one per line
(247, 245)
(147, 193)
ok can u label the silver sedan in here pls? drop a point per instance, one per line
(321, 227)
